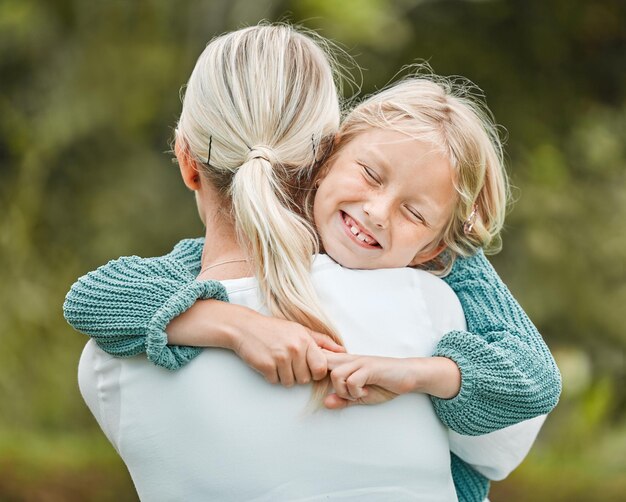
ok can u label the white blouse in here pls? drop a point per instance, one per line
(216, 430)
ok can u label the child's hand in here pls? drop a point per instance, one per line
(373, 380)
(368, 379)
(283, 351)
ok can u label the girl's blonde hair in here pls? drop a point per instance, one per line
(259, 112)
(449, 114)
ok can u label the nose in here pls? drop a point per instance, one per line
(378, 209)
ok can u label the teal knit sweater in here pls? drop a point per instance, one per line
(508, 373)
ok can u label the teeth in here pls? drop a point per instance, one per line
(357, 233)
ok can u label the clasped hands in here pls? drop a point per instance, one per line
(288, 353)
(299, 355)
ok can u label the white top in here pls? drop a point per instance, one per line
(216, 430)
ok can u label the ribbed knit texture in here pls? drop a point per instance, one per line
(508, 373)
(470, 485)
(126, 305)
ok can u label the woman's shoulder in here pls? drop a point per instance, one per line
(409, 280)
(440, 300)
(404, 301)
(434, 284)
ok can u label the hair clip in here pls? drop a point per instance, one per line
(313, 145)
(208, 159)
(469, 223)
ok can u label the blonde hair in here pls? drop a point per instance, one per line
(262, 103)
(449, 114)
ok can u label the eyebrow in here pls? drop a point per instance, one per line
(378, 158)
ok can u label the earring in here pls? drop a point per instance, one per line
(468, 225)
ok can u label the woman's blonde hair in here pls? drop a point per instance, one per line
(259, 112)
(449, 114)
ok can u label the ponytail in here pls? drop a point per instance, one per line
(283, 244)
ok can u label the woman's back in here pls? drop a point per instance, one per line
(217, 431)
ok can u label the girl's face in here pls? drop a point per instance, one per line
(385, 199)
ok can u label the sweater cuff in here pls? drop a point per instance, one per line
(157, 349)
(449, 410)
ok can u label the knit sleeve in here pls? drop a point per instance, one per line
(507, 372)
(126, 304)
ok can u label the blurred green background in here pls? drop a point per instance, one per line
(89, 95)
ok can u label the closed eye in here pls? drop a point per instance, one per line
(370, 174)
(416, 215)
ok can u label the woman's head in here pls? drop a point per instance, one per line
(422, 165)
(259, 111)
(265, 93)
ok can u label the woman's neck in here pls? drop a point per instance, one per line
(222, 256)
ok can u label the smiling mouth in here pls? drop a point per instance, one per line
(358, 233)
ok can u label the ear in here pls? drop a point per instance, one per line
(188, 169)
(428, 254)
(320, 176)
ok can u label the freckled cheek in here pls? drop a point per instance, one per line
(344, 174)
(411, 239)
(337, 188)
(355, 189)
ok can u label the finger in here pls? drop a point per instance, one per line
(326, 342)
(338, 379)
(270, 374)
(334, 402)
(334, 360)
(356, 382)
(300, 367)
(285, 373)
(317, 362)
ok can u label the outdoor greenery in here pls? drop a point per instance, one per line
(89, 95)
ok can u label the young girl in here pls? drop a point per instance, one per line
(431, 181)
(416, 170)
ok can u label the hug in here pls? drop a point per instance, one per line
(342, 259)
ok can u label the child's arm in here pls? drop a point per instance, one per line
(134, 305)
(126, 304)
(508, 373)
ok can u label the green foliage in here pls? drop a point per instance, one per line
(90, 95)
